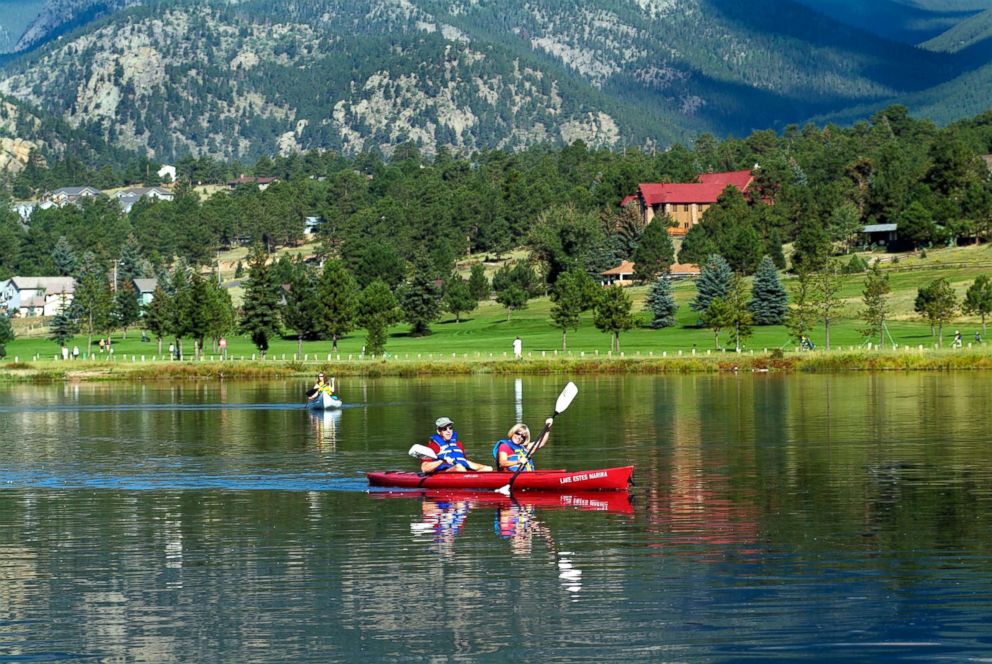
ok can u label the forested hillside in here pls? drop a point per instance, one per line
(259, 78)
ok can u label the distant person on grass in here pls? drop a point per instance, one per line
(517, 348)
(449, 450)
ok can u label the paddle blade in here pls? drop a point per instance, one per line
(312, 391)
(505, 490)
(565, 398)
(422, 452)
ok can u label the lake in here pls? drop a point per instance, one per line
(829, 517)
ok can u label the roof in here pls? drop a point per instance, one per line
(627, 200)
(625, 267)
(50, 284)
(76, 191)
(685, 268)
(247, 179)
(880, 228)
(707, 190)
(144, 191)
(146, 285)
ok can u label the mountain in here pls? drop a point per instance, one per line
(239, 80)
(906, 21)
(15, 17)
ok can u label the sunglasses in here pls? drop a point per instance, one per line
(520, 433)
(447, 428)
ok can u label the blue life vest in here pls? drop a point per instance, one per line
(517, 457)
(451, 450)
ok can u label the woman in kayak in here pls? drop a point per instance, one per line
(516, 449)
(320, 386)
(450, 452)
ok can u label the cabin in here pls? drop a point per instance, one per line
(243, 180)
(145, 290)
(36, 296)
(685, 203)
(66, 195)
(881, 234)
(622, 274)
(126, 198)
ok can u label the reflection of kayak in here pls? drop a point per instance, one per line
(593, 501)
(599, 479)
(324, 401)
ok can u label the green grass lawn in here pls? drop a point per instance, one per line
(487, 332)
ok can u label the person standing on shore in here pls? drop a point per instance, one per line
(517, 348)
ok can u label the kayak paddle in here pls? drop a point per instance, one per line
(423, 453)
(564, 399)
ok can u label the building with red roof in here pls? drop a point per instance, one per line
(685, 203)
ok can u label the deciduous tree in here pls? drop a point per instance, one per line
(612, 314)
(978, 299)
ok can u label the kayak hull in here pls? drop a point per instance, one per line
(324, 401)
(599, 479)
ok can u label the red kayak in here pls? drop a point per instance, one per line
(600, 479)
(591, 501)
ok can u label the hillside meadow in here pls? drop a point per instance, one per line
(482, 340)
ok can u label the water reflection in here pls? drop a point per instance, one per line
(325, 425)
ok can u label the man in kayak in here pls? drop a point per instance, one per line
(450, 452)
(516, 449)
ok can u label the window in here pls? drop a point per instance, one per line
(685, 208)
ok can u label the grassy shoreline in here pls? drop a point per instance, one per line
(811, 362)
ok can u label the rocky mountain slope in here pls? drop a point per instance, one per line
(245, 79)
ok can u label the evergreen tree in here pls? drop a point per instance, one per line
(770, 302)
(377, 310)
(239, 270)
(222, 318)
(478, 284)
(512, 297)
(978, 299)
(180, 305)
(302, 310)
(132, 264)
(940, 305)
(260, 313)
(458, 298)
(661, 303)
(825, 301)
(715, 278)
(655, 253)
(64, 258)
(6, 333)
(567, 304)
(697, 246)
(738, 311)
(338, 297)
(799, 319)
(126, 311)
(876, 303)
(156, 316)
(92, 303)
(612, 314)
(742, 248)
(812, 247)
(420, 299)
(64, 325)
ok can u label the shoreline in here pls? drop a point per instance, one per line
(44, 371)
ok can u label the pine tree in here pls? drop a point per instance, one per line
(92, 303)
(478, 284)
(940, 303)
(64, 325)
(568, 302)
(338, 297)
(6, 333)
(770, 302)
(302, 310)
(458, 299)
(512, 297)
(661, 303)
(126, 308)
(875, 297)
(655, 253)
(180, 305)
(978, 299)
(260, 313)
(132, 264)
(613, 314)
(420, 299)
(64, 258)
(715, 278)
(155, 318)
(377, 309)
(799, 318)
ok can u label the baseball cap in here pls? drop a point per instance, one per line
(442, 422)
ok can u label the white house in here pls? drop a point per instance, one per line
(310, 225)
(167, 173)
(36, 296)
(128, 197)
(66, 195)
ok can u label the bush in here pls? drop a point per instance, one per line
(923, 253)
(856, 265)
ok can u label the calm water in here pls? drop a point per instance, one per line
(803, 517)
